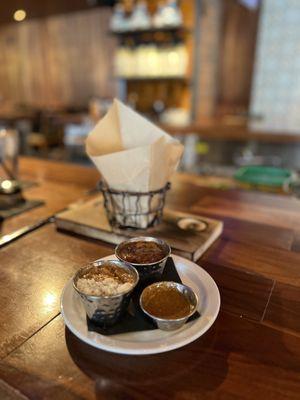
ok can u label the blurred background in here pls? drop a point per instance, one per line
(223, 76)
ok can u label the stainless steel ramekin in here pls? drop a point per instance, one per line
(106, 310)
(172, 324)
(150, 270)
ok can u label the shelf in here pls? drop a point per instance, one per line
(154, 78)
(220, 131)
(171, 30)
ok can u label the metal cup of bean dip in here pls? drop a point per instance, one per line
(147, 254)
(105, 287)
(169, 304)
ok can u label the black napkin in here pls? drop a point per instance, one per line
(135, 320)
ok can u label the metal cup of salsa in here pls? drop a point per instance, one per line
(147, 254)
(169, 304)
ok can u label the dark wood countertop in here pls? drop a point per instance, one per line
(251, 352)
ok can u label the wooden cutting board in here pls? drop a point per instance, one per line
(189, 235)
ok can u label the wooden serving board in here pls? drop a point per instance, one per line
(189, 235)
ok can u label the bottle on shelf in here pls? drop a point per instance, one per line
(183, 59)
(119, 22)
(175, 116)
(157, 19)
(123, 62)
(170, 14)
(152, 61)
(167, 15)
(140, 18)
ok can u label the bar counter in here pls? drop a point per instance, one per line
(251, 352)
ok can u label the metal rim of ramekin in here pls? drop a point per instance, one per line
(143, 239)
(169, 319)
(98, 263)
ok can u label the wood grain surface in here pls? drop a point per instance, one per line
(37, 267)
(238, 48)
(251, 352)
(56, 184)
(57, 61)
(231, 361)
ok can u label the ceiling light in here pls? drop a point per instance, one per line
(19, 15)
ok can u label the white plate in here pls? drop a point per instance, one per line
(154, 341)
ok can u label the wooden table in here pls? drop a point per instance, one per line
(251, 352)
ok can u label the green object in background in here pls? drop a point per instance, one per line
(266, 176)
(202, 148)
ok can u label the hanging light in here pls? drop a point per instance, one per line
(19, 15)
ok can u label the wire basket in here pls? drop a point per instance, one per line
(133, 210)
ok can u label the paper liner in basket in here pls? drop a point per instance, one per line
(131, 153)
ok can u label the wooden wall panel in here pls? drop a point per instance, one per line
(208, 49)
(57, 61)
(40, 8)
(238, 42)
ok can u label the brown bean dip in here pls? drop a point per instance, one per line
(142, 252)
(166, 302)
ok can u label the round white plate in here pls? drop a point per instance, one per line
(154, 341)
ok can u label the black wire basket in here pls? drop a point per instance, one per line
(133, 210)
